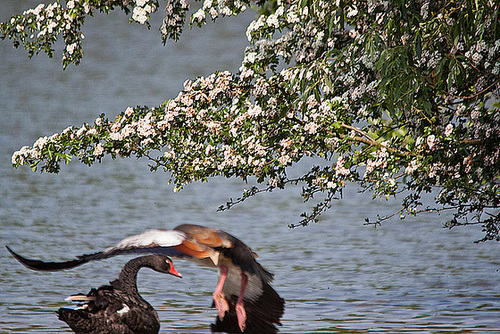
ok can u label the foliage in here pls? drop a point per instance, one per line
(399, 95)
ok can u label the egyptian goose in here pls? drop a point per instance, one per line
(242, 279)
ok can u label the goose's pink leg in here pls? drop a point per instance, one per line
(219, 298)
(241, 313)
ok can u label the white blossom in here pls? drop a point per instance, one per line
(272, 20)
(115, 136)
(129, 111)
(70, 48)
(448, 130)
(250, 57)
(311, 127)
(284, 159)
(199, 16)
(413, 166)
(340, 169)
(99, 150)
(81, 131)
(140, 15)
(431, 141)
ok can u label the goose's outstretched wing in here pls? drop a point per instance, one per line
(45, 266)
(153, 242)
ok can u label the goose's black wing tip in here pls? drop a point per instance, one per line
(18, 257)
(10, 250)
(45, 266)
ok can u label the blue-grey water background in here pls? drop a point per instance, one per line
(337, 276)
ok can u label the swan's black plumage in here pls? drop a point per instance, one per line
(118, 308)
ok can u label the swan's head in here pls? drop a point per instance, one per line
(163, 264)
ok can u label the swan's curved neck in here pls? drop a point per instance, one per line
(127, 281)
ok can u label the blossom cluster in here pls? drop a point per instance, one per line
(142, 9)
(173, 22)
(215, 8)
(37, 29)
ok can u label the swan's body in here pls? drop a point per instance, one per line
(118, 308)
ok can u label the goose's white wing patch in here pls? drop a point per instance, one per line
(151, 238)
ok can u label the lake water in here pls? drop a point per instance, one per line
(337, 276)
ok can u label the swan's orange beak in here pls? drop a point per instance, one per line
(174, 272)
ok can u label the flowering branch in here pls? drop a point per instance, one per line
(376, 101)
(38, 29)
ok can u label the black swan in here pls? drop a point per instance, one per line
(117, 308)
(243, 283)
